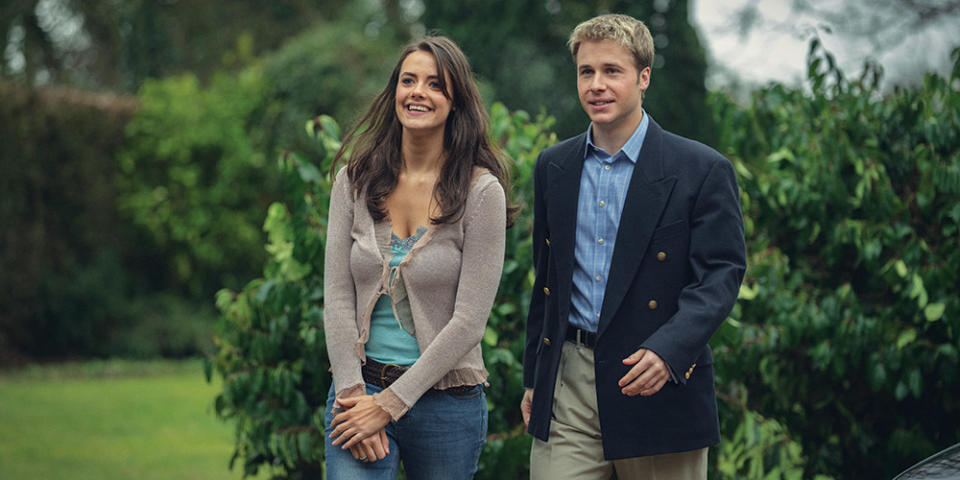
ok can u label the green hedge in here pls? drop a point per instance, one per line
(848, 325)
(61, 242)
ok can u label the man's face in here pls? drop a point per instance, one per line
(609, 85)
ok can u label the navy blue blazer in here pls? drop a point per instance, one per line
(676, 270)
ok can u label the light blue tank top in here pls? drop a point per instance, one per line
(389, 342)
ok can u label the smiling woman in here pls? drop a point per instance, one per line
(422, 199)
(422, 103)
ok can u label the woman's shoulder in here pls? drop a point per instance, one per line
(342, 175)
(342, 184)
(482, 179)
(485, 189)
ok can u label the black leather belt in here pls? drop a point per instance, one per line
(581, 337)
(383, 375)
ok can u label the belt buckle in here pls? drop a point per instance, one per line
(383, 374)
(579, 332)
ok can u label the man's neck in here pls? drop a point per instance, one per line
(611, 138)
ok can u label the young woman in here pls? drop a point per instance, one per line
(414, 253)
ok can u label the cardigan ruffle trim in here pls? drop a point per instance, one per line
(396, 407)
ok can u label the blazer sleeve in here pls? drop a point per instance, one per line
(339, 292)
(717, 259)
(541, 255)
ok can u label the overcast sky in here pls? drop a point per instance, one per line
(776, 48)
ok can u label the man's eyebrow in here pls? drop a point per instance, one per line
(607, 64)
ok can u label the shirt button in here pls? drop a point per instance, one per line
(606, 167)
(602, 203)
(598, 314)
(600, 241)
(598, 277)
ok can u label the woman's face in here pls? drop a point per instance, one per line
(421, 104)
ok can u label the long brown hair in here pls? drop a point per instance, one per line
(375, 161)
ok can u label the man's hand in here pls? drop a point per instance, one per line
(362, 418)
(648, 375)
(373, 448)
(525, 405)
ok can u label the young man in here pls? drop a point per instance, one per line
(639, 251)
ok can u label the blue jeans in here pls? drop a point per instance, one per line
(440, 437)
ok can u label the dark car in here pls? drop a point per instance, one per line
(939, 466)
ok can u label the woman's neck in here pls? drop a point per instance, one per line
(422, 152)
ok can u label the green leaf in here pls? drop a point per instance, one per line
(901, 268)
(878, 377)
(906, 338)
(934, 311)
(490, 336)
(309, 172)
(915, 381)
(330, 126)
(918, 291)
(901, 391)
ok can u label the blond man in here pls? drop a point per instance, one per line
(639, 253)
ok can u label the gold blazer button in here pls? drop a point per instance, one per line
(652, 304)
(546, 291)
(547, 241)
(661, 256)
(687, 375)
(546, 341)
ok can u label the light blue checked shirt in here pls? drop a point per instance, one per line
(603, 189)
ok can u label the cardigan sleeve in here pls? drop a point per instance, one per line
(484, 240)
(339, 291)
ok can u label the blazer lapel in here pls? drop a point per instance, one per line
(563, 191)
(647, 196)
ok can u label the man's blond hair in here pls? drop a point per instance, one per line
(625, 30)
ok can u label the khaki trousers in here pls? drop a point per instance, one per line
(574, 449)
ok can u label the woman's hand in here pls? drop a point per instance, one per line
(373, 448)
(362, 418)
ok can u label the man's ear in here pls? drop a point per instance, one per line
(643, 79)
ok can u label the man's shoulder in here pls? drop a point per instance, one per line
(688, 145)
(688, 150)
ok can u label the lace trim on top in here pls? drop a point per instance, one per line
(398, 244)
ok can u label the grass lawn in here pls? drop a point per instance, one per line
(112, 420)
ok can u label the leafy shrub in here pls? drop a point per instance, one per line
(194, 184)
(848, 325)
(331, 69)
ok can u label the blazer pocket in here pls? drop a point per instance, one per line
(669, 231)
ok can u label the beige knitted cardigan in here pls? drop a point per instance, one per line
(450, 276)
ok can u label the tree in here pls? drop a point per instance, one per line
(115, 45)
(519, 50)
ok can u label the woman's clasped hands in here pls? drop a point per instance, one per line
(359, 427)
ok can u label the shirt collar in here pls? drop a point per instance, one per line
(631, 149)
